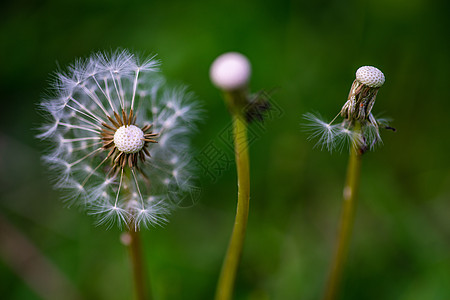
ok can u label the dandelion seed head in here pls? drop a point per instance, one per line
(230, 71)
(118, 132)
(370, 76)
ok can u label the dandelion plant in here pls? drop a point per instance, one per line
(230, 72)
(119, 144)
(359, 130)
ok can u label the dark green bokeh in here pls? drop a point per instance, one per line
(309, 51)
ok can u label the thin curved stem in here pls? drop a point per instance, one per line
(227, 277)
(141, 286)
(346, 221)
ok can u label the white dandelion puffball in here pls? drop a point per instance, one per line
(119, 138)
(230, 71)
(370, 76)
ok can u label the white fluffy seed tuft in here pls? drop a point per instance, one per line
(86, 95)
(370, 76)
(230, 71)
(129, 139)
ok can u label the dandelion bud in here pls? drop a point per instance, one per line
(370, 76)
(230, 71)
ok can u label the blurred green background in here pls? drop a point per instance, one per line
(307, 50)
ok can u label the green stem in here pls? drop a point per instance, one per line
(227, 277)
(137, 262)
(346, 221)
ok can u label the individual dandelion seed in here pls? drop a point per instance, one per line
(325, 132)
(359, 128)
(119, 138)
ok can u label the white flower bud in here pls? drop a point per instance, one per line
(230, 71)
(370, 76)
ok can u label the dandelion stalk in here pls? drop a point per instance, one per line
(231, 72)
(230, 265)
(141, 282)
(346, 221)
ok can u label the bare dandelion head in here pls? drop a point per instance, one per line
(356, 111)
(128, 139)
(115, 127)
(370, 76)
(363, 94)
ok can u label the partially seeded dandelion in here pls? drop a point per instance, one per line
(119, 139)
(357, 109)
(360, 131)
